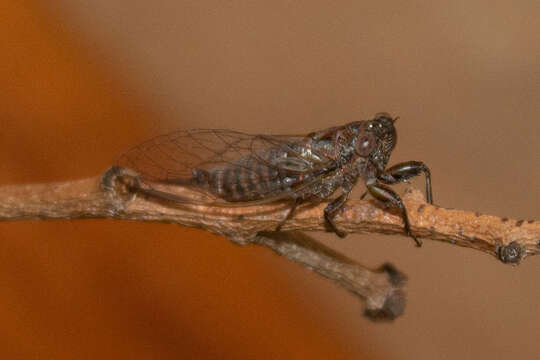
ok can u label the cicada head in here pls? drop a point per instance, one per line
(382, 126)
(380, 131)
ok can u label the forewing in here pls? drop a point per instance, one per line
(176, 157)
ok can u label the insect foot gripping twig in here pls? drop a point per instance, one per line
(383, 290)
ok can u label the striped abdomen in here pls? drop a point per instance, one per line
(248, 180)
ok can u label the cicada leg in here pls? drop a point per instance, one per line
(331, 210)
(289, 214)
(390, 198)
(406, 170)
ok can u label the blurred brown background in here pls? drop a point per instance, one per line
(83, 81)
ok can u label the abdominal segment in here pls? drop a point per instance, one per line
(246, 181)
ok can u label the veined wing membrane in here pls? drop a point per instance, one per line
(184, 157)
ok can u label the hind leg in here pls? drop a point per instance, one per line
(289, 214)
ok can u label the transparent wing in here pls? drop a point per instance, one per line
(178, 157)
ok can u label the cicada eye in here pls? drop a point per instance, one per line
(366, 144)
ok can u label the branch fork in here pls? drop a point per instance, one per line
(383, 290)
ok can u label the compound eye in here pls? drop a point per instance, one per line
(366, 144)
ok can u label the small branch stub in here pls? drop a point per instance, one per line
(383, 290)
(511, 253)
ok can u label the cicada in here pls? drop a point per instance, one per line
(237, 169)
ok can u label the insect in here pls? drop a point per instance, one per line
(234, 168)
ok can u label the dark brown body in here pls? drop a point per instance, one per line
(247, 169)
(248, 181)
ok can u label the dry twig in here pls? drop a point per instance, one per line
(383, 289)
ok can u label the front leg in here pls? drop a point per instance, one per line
(390, 198)
(406, 170)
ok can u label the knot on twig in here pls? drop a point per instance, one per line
(120, 183)
(511, 253)
(393, 307)
(396, 301)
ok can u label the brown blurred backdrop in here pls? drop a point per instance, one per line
(83, 81)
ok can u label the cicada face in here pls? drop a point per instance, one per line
(380, 139)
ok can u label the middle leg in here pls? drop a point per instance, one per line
(331, 210)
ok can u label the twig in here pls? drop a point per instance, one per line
(383, 290)
(108, 197)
